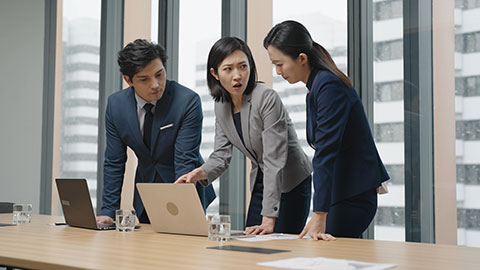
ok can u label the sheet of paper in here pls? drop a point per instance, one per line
(266, 237)
(319, 263)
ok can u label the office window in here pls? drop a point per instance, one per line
(468, 130)
(468, 174)
(467, 4)
(459, 86)
(467, 42)
(388, 50)
(327, 23)
(388, 132)
(459, 43)
(467, 86)
(467, 114)
(388, 115)
(396, 173)
(472, 86)
(154, 21)
(388, 91)
(80, 79)
(199, 28)
(387, 10)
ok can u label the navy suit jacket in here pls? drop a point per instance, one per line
(176, 137)
(346, 162)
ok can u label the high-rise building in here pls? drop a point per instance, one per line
(467, 113)
(79, 121)
(388, 115)
(388, 118)
(208, 130)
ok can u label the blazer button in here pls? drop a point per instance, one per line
(275, 208)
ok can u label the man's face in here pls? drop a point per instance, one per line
(149, 83)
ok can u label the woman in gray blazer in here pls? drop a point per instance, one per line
(252, 118)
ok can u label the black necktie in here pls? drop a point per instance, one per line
(147, 124)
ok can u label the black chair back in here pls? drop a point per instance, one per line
(6, 207)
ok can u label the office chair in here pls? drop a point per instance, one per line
(5, 208)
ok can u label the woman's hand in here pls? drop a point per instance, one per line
(266, 227)
(316, 227)
(192, 177)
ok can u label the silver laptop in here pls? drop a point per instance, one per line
(173, 208)
(77, 205)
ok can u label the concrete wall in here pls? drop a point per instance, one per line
(21, 94)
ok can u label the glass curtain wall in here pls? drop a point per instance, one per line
(154, 21)
(199, 28)
(80, 91)
(388, 115)
(467, 113)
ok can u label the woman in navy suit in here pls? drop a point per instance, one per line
(252, 118)
(347, 169)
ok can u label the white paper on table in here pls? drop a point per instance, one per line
(320, 263)
(266, 237)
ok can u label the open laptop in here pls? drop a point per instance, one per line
(77, 205)
(173, 208)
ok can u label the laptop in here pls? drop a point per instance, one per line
(77, 205)
(173, 208)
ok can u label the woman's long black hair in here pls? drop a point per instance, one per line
(292, 38)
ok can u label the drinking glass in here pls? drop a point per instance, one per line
(22, 213)
(125, 220)
(219, 227)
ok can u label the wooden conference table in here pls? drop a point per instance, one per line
(41, 245)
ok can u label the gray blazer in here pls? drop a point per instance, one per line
(270, 143)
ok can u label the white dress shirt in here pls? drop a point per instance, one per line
(141, 111)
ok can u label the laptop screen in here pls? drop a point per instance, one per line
(173, 208)
(76, 203)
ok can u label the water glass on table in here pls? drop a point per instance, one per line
(125, 220)
(219, 227)
(22, 213)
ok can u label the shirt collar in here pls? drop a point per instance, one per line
(311, 78)
(141, 102)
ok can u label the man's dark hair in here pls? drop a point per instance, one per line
(219, 51)
(137, 55)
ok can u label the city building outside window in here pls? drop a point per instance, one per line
(199, 28)
(388, 115)
(80, 93)
(467, 115)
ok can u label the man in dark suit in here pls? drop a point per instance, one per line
(160, 120)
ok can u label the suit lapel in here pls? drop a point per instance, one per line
(245, 118)
(161, 110)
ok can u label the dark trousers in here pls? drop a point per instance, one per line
(294, 206)
(351, 217)
(143, 218)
